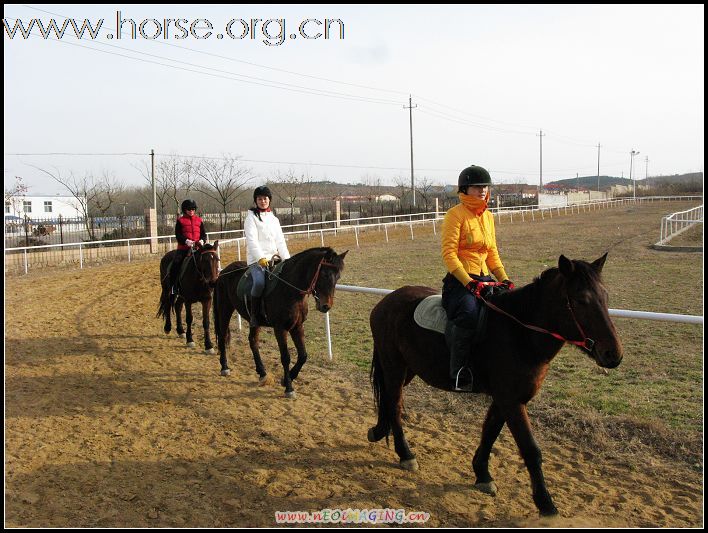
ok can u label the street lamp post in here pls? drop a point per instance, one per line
(122, 235)
(631, 161)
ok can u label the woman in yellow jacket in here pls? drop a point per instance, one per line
(469, 250)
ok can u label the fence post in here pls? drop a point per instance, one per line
(128, 250)
(81, 256)
(322, 237)
(329, 336)
(411, 224)
(386, 231)
(356, 234)
(25, 260)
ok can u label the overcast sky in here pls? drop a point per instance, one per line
(485, 80)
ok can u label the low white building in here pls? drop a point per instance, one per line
(42, 207)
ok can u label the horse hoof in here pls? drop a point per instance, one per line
(488, 488)
(411, 465)
(265, 380)
(371, 435)
(182, 335)
(290, 394)
(210, 351)
(225, 372)
(191, 345)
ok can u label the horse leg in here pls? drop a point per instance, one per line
(298, 336)
(179, 303)
(281, 336)
(190, 319)
(493, 425)
(517, 420)
(394, 384)
(253, 343)
(206, 310)
(167, 309)
(223, 336)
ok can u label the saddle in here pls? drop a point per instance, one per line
(430, 314)
(243, 289)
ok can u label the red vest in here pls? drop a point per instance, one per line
(190, 229)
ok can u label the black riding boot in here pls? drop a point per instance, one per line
(174, 272)
(460, 342)
(255, 311)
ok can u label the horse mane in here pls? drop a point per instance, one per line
(519, 299)
(324, 250)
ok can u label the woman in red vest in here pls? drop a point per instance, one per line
(189, 231)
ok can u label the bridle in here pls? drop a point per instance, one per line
(311, 287)
(196, 265)
(586, 344)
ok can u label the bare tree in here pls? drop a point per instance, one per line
(16, 194)
(401, 188)
(84, 190)
(425, 189)
(222, 180)
(289, 188)
(108, 190)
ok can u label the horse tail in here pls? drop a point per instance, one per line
(383, 407)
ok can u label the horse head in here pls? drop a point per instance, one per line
(587, 309)
(329, 271)
(208, 263)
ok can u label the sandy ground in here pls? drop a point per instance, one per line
(108, 422)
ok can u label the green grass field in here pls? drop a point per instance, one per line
(656, 393)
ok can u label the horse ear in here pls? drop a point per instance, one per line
(599, 263)
(216, 244)
(341, 256)
(566, 266)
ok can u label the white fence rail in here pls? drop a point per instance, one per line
(676, 223)
(618, 313)
(22, 258)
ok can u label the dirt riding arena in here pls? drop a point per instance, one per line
(108, 422)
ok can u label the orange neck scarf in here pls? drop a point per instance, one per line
(474, 204)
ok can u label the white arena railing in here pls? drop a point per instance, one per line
(676, 223)
(618, 313)
(83, 252)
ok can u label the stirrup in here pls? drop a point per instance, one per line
(467, 387)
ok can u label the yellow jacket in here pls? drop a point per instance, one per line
(469, 244)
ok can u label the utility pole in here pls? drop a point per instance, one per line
(540, 171)
(154, 190)
(410, 116)
(646, 169)
(577, 182)
(631, 161)
(598, 167)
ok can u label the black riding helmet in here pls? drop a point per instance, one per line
(189, 204)
(473, 175)
(262, 191)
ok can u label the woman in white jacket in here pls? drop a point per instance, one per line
(264, 239)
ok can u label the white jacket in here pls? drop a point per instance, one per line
(264, 238)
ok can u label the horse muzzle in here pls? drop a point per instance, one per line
(607, 357)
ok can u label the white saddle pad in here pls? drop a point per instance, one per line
(430, 314)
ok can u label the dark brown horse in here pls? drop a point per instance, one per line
(201, 270)
(509, 364)
(314, 271)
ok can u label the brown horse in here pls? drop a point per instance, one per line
(510, 363)
(314, 271)
(200, 274)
